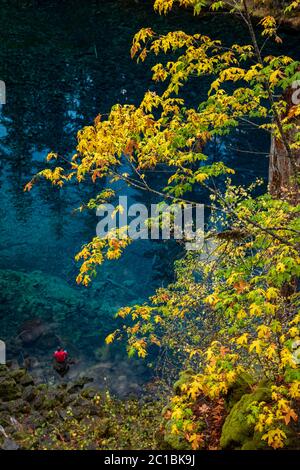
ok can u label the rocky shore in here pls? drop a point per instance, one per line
(70, 416)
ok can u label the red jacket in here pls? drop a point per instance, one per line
(60, 356)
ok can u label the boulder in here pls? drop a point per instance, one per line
(237, 432)
(9, 444)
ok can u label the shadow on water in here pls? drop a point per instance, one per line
(63, 63)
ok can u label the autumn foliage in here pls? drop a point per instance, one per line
(234, 306)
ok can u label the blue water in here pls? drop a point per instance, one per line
(63, 63)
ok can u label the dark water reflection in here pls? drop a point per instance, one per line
(63, 62)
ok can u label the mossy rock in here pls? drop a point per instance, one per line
(39, 402)
(9, 389)
(174, 441)
(17, 374)
(21, 376)
(26, 380)
(29, 393)
(240, 387)
(18, 406)
(237, 433)
(79, 384)
(50, 402)
(3, 370)
(4, 420)
(254, 444)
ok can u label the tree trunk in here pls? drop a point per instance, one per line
(282, 170)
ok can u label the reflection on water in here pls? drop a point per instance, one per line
(63, 62)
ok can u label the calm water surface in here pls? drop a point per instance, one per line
(63, 63)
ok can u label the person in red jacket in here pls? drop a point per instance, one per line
(60, 355)
(61, 365)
